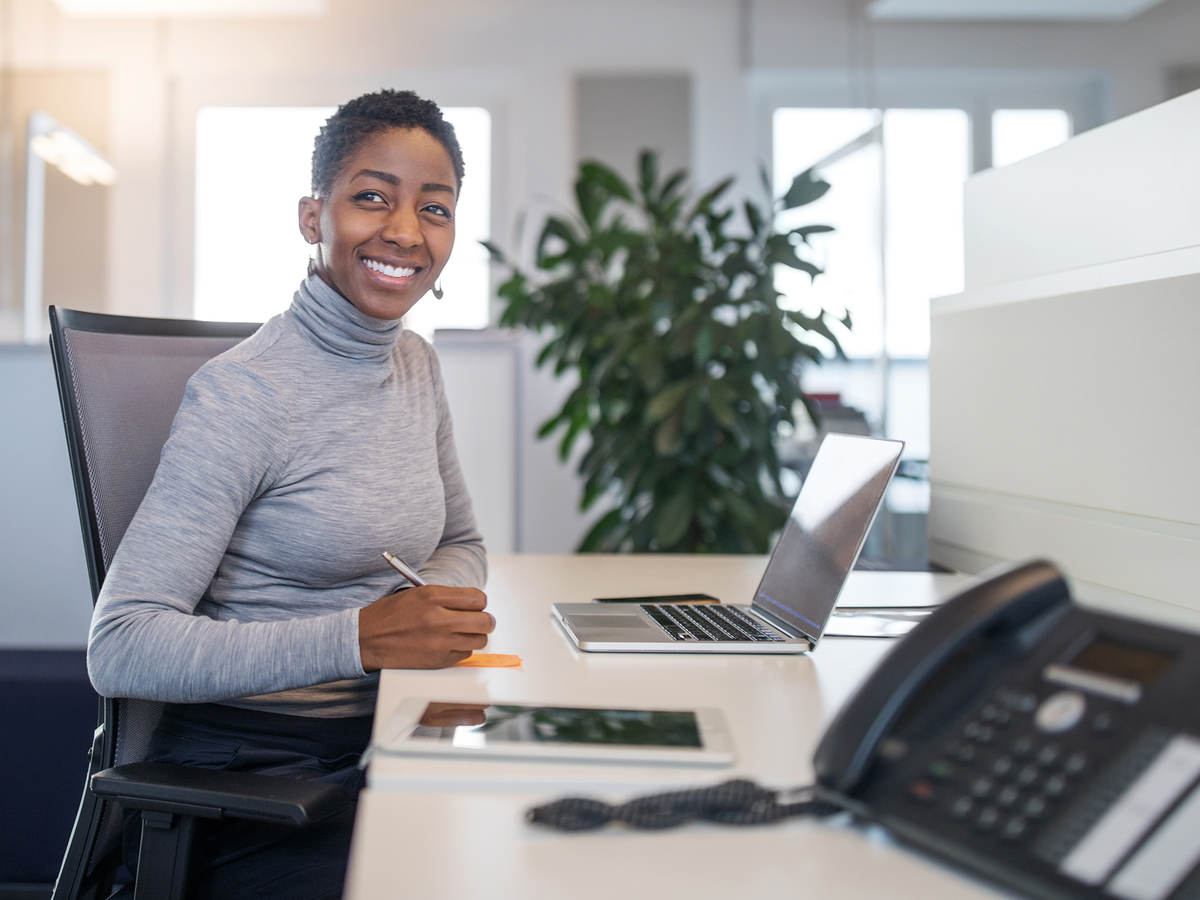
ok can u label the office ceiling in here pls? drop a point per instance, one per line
(1007, 10)
(190, 8)
(913, 10)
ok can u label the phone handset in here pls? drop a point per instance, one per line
(1004, 602)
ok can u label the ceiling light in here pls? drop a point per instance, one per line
(68, 152)
(1007, 10)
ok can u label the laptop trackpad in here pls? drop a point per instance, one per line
(583, 620)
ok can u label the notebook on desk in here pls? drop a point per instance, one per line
(794, 602)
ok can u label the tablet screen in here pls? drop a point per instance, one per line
(477, 726)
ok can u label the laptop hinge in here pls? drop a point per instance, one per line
(779, 625)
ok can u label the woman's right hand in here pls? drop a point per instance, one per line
(427, 627)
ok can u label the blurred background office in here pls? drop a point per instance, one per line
(152, 152)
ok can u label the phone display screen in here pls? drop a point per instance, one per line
(477, 726)
(1116, 659)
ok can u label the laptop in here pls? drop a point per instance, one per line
(792, 606)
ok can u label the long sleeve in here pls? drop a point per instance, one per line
(295, 458)
(147, 640)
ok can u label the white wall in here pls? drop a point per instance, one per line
(1064, 418)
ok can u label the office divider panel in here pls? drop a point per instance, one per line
(1064, 420)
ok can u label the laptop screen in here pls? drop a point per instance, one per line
(826, 529)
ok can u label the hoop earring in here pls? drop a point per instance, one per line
(438, 293)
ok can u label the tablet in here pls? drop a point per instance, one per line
(550, 732)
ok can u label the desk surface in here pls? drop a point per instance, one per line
(436, 828)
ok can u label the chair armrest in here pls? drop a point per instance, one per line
(212, 794)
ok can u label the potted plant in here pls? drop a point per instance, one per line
(687, 365)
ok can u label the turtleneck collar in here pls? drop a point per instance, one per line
(338, 326)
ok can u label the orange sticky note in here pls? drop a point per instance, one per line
(491, 660)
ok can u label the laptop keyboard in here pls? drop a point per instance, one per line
(707, 622)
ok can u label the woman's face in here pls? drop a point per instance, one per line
(386, 228)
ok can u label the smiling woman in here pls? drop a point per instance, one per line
(249, 593)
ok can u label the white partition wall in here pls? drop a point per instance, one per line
(480, 370)
(1065, 379)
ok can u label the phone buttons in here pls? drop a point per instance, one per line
(1014, 829)
(987, 819)
(1060, 711)
(1035, 807)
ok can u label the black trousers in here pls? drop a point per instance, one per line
(233, 859)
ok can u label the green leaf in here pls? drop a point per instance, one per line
(708, 198)
(594, 539)
(546, 352)
(740, 508)
(672, 519)
(666, 436)
(605, 178)
(671, 185)
(667, 401)
(721, 404)
(591, 202)
(578, 424)
(555, 228)
(791, 260)
(765, 177)
(805, 188)
(494, 253)
(754, 218)
(549, 425)
(804, 231)
(647, 172)
(702, 351)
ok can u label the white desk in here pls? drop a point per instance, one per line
(446, 828)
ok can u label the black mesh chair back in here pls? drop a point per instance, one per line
(120, 382)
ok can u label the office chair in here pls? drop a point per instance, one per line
(120, 380)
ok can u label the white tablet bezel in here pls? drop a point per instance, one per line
(395, 736)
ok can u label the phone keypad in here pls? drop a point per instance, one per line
(1009, 765)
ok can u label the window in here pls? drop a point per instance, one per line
(896, 179)
(253, 164)
(896, 202)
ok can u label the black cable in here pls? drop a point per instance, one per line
(737, 802)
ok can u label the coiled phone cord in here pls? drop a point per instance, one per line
(736, 802)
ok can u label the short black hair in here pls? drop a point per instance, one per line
(358, 119)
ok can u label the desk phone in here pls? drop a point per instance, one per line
(1053, 749)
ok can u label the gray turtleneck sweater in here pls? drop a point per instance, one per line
(295, 458)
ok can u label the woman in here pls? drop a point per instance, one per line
(249, 592)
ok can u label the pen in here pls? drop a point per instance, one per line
(403, 568)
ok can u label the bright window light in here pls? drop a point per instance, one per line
(253, 164)
(1018, 133)
(896, 205)
(927, 152)
(850, 255)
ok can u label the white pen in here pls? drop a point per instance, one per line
(403, 568)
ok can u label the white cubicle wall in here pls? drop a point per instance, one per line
(45, 599)
(526, 499)
(1065, 419)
